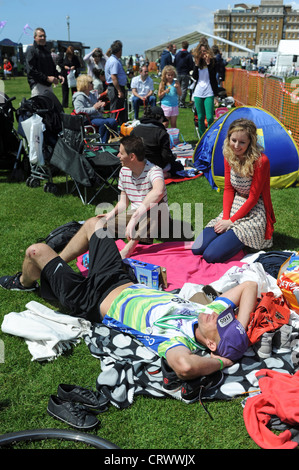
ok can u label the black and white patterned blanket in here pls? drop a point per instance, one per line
(128, 368)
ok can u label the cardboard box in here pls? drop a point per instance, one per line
(151, 275)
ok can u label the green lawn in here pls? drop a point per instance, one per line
(25, 386)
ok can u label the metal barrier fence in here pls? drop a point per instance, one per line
(270, 93)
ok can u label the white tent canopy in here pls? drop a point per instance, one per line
(290, 47)
(287, 55)
(154, 53)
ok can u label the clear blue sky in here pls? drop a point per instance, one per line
(140, 25)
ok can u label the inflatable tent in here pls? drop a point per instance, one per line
(278, 145)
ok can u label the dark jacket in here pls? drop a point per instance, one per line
(39, 65)
(73, 62)
(156, 141)
(220, 67)
(212, 75)
(183, 62)
(165, 59)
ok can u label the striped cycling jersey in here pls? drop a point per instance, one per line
(136, 188)
(159, 319)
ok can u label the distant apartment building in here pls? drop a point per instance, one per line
(257, 27)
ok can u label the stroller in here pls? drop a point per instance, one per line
(13, 155)
(43, 111)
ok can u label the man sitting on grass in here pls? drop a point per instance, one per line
(173, 327)
(143, 198)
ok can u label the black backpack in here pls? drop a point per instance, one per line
(60, 236)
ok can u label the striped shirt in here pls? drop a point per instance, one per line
(159, 319)
(136, 188)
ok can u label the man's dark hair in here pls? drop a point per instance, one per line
(116, 46)
(185, 44)
(134, 144)
(39, 29)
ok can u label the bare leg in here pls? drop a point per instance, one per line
(173, 120)
(38, 255)
(80, 242)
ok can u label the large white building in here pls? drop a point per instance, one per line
(257, 27)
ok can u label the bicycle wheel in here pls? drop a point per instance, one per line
(58, 434)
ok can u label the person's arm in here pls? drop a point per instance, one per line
(243, 296)
(80, 104)
(151, 90)
(152, 198)
(87, 57)
(178, 88)
(120, 207)
(188, 366)
(260, 178)
(134, 91)
(162, 92)
(228, 199)
(149, 94)
(228, 193)
(213, 79)
(116, 85)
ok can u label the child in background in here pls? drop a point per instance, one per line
(169, 90)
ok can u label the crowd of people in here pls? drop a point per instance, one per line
(202, 69)
(247, 219)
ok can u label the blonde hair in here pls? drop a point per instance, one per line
(197, 53)
(244, 167)
(83, 82)
(166, 70)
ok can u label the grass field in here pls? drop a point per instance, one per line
(25, 386)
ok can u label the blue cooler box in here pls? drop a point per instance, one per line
(151, 275)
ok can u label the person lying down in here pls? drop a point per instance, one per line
(172, 326)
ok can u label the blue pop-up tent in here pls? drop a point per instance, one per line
(278, 144)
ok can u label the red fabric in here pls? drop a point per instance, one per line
(260, 186)
(7, 67)
(271, 313)
(180, 180)
(279, 397)
(180, 263)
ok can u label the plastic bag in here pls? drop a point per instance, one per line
(71, 79)
(33, 129)
(174, 136)
(288, 281)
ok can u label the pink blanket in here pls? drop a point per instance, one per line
(181, 265)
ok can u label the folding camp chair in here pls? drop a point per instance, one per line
(76, 157)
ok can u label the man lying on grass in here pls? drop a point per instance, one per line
(168, 324)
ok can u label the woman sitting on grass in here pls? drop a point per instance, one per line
(247, 218)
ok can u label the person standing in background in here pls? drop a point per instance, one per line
(116, 79)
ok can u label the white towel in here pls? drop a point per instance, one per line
(47, 333)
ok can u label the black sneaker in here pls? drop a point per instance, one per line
(13, 283)
(171, 382)
(73, 393)
(73, 414)
(192, 389)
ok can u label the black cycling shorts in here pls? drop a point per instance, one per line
(83, 295)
